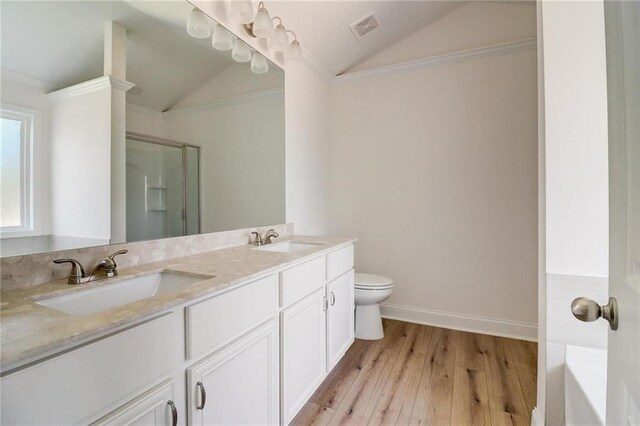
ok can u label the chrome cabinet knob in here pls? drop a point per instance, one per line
(588, 310)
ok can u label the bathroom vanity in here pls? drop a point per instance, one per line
(247, 340)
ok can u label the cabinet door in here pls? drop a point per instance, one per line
(303, 352)
(237, 384)
(340, 318)
(153, 408)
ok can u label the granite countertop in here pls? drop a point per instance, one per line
(30, 332)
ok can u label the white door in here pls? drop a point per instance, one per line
(237, 385)
(303, 352)
(340, 317)
(622, 26)
(153, 408)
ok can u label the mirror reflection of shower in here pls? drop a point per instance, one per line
(162, 188)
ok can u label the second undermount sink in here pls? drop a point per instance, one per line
(289, 246)
(123, 292)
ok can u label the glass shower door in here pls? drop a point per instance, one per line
(155, 191)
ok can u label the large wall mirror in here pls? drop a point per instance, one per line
(133, 120)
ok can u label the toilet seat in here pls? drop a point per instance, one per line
(372, 282)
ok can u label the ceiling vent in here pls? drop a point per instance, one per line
(365, 25)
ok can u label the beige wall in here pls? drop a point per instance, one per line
(435, 172)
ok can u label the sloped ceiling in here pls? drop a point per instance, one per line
(323, 26)
(61, 43)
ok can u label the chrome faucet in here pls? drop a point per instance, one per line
(259, 240)
(106, 268)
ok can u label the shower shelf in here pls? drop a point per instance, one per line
(157, 210)
(157, 187)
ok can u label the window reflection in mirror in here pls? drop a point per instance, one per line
(120, 126)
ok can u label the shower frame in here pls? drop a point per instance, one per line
(183, 146)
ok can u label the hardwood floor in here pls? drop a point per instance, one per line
(419, 375)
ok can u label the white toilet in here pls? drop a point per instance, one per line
(370, 290)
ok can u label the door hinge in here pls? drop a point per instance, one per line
(325, 303)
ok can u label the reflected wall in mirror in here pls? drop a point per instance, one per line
(118, 125)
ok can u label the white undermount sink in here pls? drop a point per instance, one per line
(289, 246)
(109, 296)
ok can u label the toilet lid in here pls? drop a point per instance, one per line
(372, 281)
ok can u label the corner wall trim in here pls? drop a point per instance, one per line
(90, 86)
(225, 102)
(448, 58)
(473, 324)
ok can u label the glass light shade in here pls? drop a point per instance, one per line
(259, 64)
(263, 25)
(241, 51)
(295, 51)
(242, 11)
(198, 24)
(280, 40)
(222, 38)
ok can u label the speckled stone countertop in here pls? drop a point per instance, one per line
(31, 332)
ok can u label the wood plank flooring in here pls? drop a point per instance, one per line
(421, 375)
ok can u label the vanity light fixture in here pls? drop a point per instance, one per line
(280, 39)
(263, 24)
(259, 64)
(198, 24)
(241, 51)
(242, 11)
(295, 50)
(222, 39)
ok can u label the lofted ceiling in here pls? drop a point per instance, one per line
(323, 26)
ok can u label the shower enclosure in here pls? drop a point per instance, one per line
(162, 188)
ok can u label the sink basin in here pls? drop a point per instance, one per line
(126, 291)
(289, 246)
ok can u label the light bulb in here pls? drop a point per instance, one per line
(263, 24)
(198, 24)
(222, 38)
(241, 51)
(280, 40)
(295, 51)
(259, 64)
(242, 11)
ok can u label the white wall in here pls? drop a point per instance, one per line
(435, 172)
(80, 135)
(576, 157)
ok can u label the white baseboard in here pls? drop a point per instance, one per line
(474, 324)
(536, 418)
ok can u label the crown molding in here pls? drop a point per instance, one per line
(432, 61)
(225, 102)
(144, 110)
(90, 86)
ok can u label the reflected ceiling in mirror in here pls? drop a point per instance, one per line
(118, 125)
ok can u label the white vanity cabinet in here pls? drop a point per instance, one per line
(238, 384)
(340, 318)
(250, 355)
(317, 324)
(153, 408)
(303, 353)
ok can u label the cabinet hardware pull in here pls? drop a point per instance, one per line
(203, 396)
(174, 413)
(333, 299)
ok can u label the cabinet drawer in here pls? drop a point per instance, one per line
(301, 280)
(221, 319)
(339, 262)
(80, 385)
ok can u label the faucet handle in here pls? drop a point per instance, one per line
(77, 271)
(258, 240)
(118, 253)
